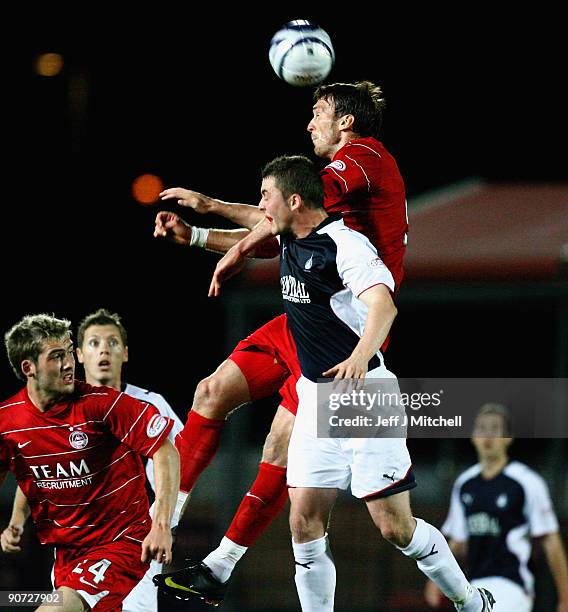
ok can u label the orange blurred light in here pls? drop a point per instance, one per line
(146, 188)
(49, 64)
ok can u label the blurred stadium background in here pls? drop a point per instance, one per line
(474, 119)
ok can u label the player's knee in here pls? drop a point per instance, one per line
(208, 398)
(305, 527)
(396, 531)
(275, 450)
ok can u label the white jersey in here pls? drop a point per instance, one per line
(497, 518)
(144, 597)
(165, 409)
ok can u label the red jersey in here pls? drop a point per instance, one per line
(79, 464)
(363, 182)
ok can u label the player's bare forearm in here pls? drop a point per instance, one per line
(220, 241)
(556, 557)
(158, 543)
(233, 260)
(257, 237)
(244, 215)
(20, 509)
(166, 476)
(11, 536)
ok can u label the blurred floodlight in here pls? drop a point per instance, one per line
(49, 64)
(146, 188)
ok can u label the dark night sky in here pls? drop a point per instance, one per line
(194, 99)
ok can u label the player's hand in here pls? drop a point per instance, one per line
(173, 227)
(229, 265)
(157, 545)
(191, 199)
(353, 368)
(10, 538)
(433, 596)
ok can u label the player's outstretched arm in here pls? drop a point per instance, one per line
(556, 557)
(158, 543)
(172, 227)
(11, 536)
(245, 215)
(258, 243)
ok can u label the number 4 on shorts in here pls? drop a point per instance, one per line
(98, 569)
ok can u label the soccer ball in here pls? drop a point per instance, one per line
(301, 53)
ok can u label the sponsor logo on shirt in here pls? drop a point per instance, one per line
(78, 439)
(62, 475)
(293, 290)
(308, 265)
(377, 262)
(156, 425)
(483, 524)
(337, 165)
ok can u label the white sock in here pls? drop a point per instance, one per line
(315, 575)
(223, 559)
(177, 510)
(181, 499)
(435, 559)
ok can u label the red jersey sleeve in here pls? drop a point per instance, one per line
(137, 424)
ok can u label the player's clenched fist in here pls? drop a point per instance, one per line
(10, 538)
(172, 226)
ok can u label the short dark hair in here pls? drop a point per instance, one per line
(101, 317)
(297, 174)
(25, 339)
(499, 410)
(363, 99)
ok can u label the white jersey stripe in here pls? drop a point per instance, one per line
(113, 405)
(363, 171)
(50, 427)
(134, 539)
(358, 144)
(13, 404)
(79, 450)
(136, 421)
(121, 486)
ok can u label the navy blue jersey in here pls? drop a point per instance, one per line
(321, 277)
(497, 518)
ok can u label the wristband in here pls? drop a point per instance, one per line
(199, 237)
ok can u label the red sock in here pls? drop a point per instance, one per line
(260, 506)
(197, 444)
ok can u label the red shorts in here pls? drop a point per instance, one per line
(103, 575)
(268, 360)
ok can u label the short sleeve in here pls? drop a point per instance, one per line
(541, 516)
(138, 424)
(358, 263)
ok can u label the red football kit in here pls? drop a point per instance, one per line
(79, 466)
